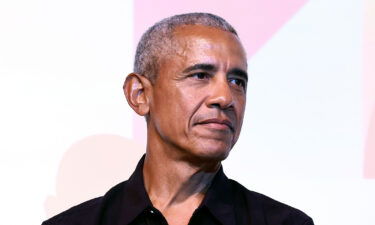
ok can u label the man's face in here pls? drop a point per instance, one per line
(199, 95)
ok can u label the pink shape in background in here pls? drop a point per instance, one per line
(90, 167)
(369, 168)
(369, 87)
(256, 21)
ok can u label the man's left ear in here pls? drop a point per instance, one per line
(137, 89)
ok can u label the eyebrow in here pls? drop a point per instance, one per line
(239, 72)
(211, 67)
(200, 66)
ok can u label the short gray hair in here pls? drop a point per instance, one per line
(155, 41)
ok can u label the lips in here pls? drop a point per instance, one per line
(216, 123)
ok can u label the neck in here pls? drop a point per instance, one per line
(171, 181)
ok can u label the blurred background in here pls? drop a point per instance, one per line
(68, 135)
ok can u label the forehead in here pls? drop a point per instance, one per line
(203, 43)
(197, 31)
(199, 36)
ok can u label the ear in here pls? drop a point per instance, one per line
(137, 89)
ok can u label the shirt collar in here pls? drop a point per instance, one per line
(219, 199)
(134, 198)
(124, 202)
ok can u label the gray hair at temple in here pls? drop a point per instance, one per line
(156, 42)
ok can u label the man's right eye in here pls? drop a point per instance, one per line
(199, 76)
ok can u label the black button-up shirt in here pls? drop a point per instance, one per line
(226, 203)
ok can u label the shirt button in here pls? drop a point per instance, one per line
(152, 211)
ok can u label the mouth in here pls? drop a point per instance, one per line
(217, 124)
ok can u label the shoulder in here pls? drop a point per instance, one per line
(79, 214)
(270, 211)
(85, 213)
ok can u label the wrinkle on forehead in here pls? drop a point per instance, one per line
(195, 39)
(191, 44)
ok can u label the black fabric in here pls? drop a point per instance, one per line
(226, 203)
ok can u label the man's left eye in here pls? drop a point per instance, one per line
(236, 81)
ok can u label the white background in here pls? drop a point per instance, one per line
(62, 64)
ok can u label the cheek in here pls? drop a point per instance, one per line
(184, 107)
(240, 111)
(172, 108)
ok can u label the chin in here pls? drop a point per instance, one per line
(211, 154)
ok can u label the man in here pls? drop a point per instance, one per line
(189, 82)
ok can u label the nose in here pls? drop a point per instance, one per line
(220, 95)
